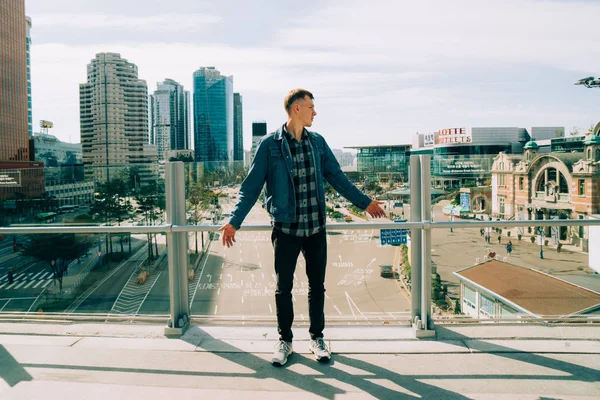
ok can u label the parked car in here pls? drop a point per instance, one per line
(348, 218)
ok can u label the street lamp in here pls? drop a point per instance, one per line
(541, 241)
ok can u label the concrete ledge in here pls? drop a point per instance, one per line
(534, 346)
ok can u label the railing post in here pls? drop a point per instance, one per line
(177, 249)
(426, 242)
(415, 236)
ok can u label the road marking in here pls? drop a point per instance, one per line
(326, 296)
(20, 284)
(1, 286)
(216, 307)
(270, 308)
(262, 274)
(293, 297)
(219, 291)
(220, 276)
(242, 299)
(5, 304)
(36, 275)
(29, 284)
(39, 283)
(47, 283)
(353, 305)
(337, 309)
(302, 316)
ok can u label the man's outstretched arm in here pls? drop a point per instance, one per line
(249, 192)
(340, 182)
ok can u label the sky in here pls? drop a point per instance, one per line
(380, 70)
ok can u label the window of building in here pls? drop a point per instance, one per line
(581, 185)
(501, 205)
(581, 228)
(597, 154)
(521, 183)
(502, 180)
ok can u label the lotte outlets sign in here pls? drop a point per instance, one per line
(454, 136)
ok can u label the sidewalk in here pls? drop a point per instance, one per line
(111, 361)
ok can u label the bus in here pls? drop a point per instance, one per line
(47, 217)
(64, 209)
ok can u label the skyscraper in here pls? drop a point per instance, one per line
(170, 118)
(259, 129)
(113, 117)
(29, 109)
(14, 138)
(238, 130)
(213, 115)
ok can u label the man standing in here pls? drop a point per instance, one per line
(293, 163)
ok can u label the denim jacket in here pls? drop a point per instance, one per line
(272, 165)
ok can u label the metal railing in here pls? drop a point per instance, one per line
(176, 228)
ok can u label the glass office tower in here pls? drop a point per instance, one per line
(213, 115)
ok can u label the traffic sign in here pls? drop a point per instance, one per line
(394, 237)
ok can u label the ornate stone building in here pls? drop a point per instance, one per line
(551, 185)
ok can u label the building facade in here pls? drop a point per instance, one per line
(549, 185)
(113, 117)
(259, 129)
(461, 155)
(238, 128)
(213, 116)
(29, 106)
(389, 161)
(14, 137)
(170, 127)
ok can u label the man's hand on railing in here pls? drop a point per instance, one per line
(228, 235)
(374, 210)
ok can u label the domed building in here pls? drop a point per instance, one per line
(541, 184)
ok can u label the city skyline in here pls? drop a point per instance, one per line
(398, 70)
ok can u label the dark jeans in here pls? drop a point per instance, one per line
(287, 248)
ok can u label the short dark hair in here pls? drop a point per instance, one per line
(295, 95)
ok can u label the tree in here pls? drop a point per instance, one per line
(199, 199)
(58, 250)
(151, 201)
(111, 203)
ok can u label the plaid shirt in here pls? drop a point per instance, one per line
(308, 218)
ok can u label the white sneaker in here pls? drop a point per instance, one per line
(283, 350)
(319, 348)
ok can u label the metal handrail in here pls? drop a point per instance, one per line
(267, 227)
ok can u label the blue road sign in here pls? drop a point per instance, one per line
(394, 237)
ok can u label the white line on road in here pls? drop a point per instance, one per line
(337, 309)
(47, 283)
(270, 308)
(219, 291)
(263, 275)
(293, 297)
(220, 276)
(302, 316)
(5, 304)
(39, 283)
(327, 297)
(216, 307)
(242, 299)
(20, 284)
(29, 284)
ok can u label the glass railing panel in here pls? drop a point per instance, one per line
(105, 273)
(239, 282)
(514, 274)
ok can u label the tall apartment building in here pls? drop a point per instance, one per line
(114, 118)
(213, 115)
(29, 108)
(259, 129)
(14, 138)
(170, 128)
(238, 129)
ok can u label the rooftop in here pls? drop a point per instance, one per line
(531, 290)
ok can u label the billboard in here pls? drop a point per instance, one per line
(454, 136)
(10, 178)
(430, 139)
(46, 124)
(466, 167)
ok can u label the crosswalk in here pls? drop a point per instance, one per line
(32, 280)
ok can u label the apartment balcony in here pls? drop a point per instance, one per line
(155, 305)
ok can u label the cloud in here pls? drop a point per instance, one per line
(161, 23)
